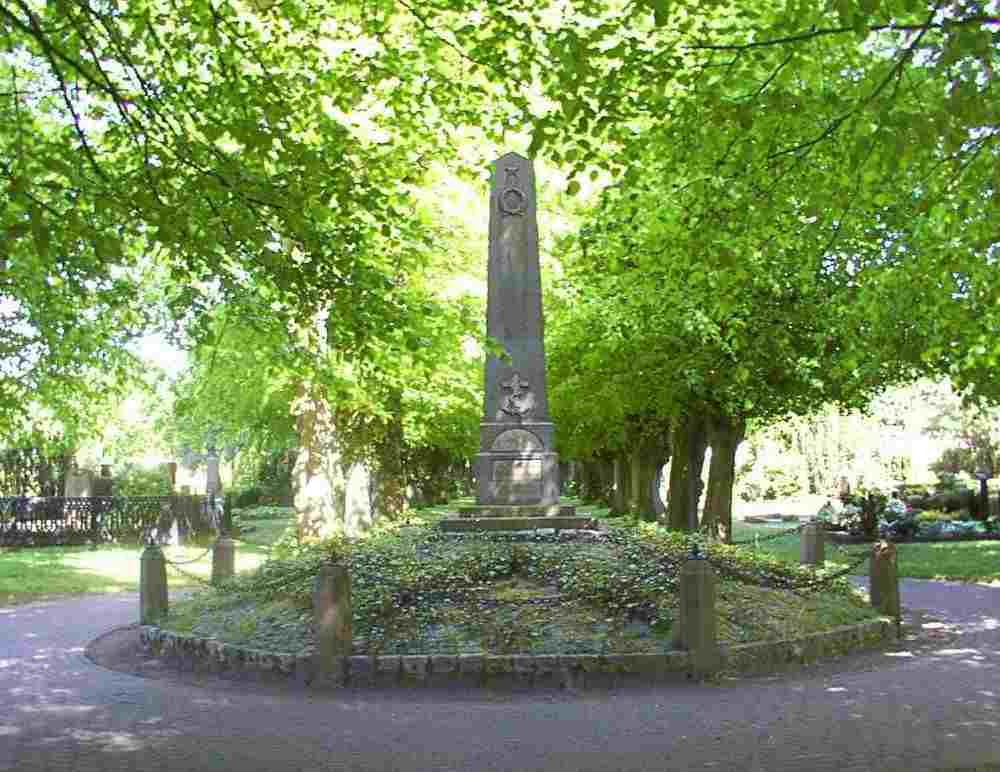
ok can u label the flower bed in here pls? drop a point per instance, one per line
(876, 517)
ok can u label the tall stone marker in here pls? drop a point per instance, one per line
(517, 467)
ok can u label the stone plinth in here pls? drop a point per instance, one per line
(526, 510)
(465, 524)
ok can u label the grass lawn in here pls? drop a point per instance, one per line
(965, 560)
(36, 573)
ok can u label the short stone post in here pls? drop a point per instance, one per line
(223, 559)
(883, 582)
(697, 629)
(812, 545)
(152, 585)
(332, 609)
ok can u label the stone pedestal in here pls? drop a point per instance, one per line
(516, 466)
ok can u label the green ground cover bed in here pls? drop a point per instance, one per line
(417, 590)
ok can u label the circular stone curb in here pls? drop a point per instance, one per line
(189, 652)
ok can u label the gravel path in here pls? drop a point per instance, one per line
(934, 703)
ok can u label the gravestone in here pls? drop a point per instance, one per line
(213, 482)
(517, 468)
(79, 484)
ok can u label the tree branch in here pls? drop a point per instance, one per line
(815, 33)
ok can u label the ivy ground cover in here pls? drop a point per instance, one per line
(417, 590)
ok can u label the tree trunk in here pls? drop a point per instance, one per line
(318, 477)
(620, 485)
(389, 493)
(646, 463)
(689, 443)
(607, 467)
(587, 480)
(725, 436)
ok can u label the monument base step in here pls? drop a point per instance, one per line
(470, 524)
(517, 510)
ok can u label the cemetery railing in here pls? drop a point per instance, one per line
(137, 519)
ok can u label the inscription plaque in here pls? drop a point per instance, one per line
(519, 477)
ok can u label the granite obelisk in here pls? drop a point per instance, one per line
(517, 466)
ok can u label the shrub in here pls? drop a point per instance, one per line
(933, 516)
(902, 527)
(247, 497)
(135, 480)
(894, 509)
(263, 512)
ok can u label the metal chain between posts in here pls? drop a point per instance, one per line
(189, 575)
(815, 584)
(176, 563)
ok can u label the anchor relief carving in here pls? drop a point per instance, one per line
(520, 401)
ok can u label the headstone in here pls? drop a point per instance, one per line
(517, 465)
(213, 483)
(812, 550)
(79, 484)
(104, 485)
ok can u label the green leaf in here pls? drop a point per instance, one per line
(661, 11)
(39, 232)
(573, 188)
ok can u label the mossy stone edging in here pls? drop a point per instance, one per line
(189, 652)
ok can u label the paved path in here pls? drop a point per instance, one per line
(936, 706)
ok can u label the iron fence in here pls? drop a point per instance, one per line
(67, 520)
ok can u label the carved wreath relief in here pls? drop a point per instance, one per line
(520, 401)
(512, 199)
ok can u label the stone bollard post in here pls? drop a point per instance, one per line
(812, 550)
(152, 585)
(223, 559)
(697, 628)
(332, 609)
(883, 582)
